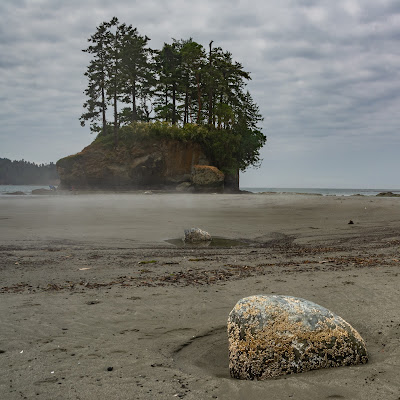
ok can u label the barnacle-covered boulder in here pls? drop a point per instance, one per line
(196, 235)
(207, 177)
(276, 335)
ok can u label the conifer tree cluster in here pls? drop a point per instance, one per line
(26, 173)
(183, 83)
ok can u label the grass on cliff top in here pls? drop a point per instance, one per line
(224, 148)
(219, 145)
(140, 131)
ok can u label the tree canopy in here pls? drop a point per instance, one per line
(26, 173)
(179, 85)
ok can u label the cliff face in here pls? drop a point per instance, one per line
(150, 164)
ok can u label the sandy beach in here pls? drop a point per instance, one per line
(95, 304)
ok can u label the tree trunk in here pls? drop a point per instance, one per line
(186, 113)
(103, 94)
(134, 109)
(220, 117)
(115, 119)
(115, 96)
(210, 107)
(103, 109)
(214, 116)
(166, 103)
(173, 104)
(103, 98)
(198, 97)
(210, 90)
(231, 182)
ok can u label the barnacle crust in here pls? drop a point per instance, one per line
(275, 335)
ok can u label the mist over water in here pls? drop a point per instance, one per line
(139, 220)
(110, 219)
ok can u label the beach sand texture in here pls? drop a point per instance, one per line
(95, 304)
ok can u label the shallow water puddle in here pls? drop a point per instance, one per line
(215, 242)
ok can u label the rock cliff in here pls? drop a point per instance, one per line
(149, 164)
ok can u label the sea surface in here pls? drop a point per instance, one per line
(27, 189)
(322, 191)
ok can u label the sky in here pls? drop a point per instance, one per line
(325, 75)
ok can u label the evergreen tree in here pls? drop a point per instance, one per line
(179, 84)
(26, 173)
(229, 82)
(251, 136)
(137, 74)
(115, 33)
(168, 64)
(193, 61)
(96, 104)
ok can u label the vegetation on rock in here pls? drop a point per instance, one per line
(181, 91)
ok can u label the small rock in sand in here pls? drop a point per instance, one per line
(196, 235)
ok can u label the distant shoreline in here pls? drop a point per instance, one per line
(27, 189)
(322, 191)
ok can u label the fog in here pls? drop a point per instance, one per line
(147, 220)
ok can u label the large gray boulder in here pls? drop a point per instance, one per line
(276, 335)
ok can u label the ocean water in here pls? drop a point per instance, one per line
(322, 191)
(27, 189)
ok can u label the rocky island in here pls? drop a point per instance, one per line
(144, 162)
(177, 118)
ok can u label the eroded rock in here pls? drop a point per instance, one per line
(207, 177)
(276, 335)
(388, 194)
(194, 235)
(147, 164)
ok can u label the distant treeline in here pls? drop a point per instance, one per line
(26, 173)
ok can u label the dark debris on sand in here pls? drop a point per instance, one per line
(179, 267)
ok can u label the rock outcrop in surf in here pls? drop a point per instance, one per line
(149, 164)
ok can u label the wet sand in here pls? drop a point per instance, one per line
(95, 304)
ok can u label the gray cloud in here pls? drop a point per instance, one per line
(325, 75)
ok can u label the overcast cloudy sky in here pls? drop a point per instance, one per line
(325, 74)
